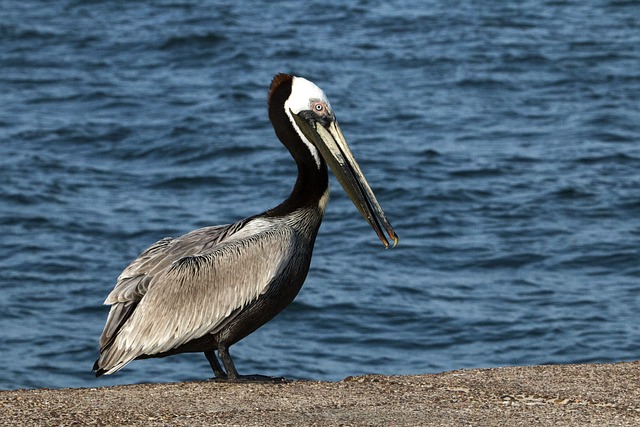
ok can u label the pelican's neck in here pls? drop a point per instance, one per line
(311, 189)
(312, 184)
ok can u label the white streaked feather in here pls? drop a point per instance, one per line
(229, 279)
(188, 292)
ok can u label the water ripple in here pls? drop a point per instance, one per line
(498, 137)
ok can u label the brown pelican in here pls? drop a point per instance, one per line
(208, 289)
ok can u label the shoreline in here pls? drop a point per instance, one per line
(549, 395)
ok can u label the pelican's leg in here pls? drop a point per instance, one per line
(232, 373)
(215, 365)
(223, 352)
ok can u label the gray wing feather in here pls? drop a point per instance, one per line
(133, 282)
(181, 289)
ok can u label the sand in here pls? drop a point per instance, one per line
(562, 395)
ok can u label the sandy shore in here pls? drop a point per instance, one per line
(567, 395)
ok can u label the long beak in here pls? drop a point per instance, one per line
(335, 151)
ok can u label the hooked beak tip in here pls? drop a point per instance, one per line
(385, 241)
(394, 237)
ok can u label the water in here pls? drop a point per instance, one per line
(502, 141)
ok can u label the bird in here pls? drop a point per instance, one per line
(207, 289)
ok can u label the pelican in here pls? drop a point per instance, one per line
(206, 290)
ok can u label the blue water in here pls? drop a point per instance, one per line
(501, 139)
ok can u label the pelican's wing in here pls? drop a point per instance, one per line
(185, 296)
(133, 282)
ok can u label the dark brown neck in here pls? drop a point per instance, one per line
(313, 179)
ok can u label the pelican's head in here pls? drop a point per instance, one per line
(312, 117)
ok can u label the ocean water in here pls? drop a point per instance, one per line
(501, 139)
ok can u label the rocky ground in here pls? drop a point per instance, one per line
(566, 395)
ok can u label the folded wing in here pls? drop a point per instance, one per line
(181, 289)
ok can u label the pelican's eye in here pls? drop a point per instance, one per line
(318, 107)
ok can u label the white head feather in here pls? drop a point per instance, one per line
(303, 93)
